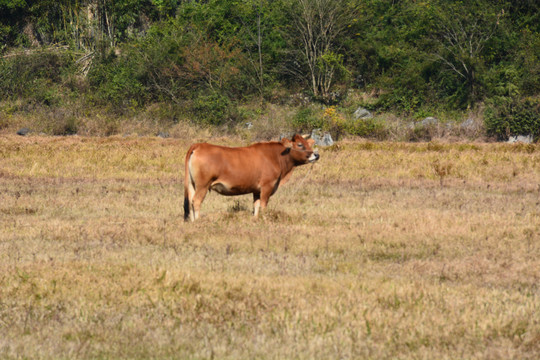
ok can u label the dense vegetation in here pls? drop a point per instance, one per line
(203, 60)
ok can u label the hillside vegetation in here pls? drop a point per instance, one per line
(105, 67)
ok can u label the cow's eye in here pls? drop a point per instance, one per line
(300, 145)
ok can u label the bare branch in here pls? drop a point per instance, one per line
(319, 23)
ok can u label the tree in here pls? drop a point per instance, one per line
(462, 33)
(255, 36)
(318, 24)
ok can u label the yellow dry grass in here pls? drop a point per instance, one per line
(384, 250)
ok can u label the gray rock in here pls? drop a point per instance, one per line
(362, 113)
(525, 139)
(299, 99)
(163, 134)
(321, 139)
(429, 121)
(249, 125)
(327, 140)
(23, 131)
(467, 124)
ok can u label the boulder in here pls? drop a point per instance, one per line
(429, 121)
(467, 124)
(23, 131)
(362, 114)
(525, 139)
(321, 139)
(299, 99)
(163, 134)
(326, 140)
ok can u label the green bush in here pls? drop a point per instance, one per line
(65, 126)
(335, 122)
(306, 119)
(505, 117)
(46, 93)
(36, 77)
(214, 109)
(116, 81)
(367, 128)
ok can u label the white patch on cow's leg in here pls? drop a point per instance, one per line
(256, 204)
(191, 195)
(192, 213)
(196, 209)
(198, 198)
(191, 191)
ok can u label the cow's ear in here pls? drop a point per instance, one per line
(311, 142)
(288, 145)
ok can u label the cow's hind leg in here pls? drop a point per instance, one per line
(198, 198)
(189, 187)
(189, 194)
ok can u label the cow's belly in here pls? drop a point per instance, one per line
(225, 189)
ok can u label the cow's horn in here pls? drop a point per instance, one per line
(306, 136)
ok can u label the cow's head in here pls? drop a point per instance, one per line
(300, 149)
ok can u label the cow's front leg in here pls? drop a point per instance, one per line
(266, 192)
(256, 204)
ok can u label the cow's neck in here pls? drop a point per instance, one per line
(288, 164)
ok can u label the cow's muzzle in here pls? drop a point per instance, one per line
(314, 157)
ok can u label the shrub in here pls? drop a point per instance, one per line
(338, 125)
(66, 126)
(46, 93)
(214, 109)
(116, 81)
(367, 128)
(306, 120)
(36, 77)
(419, 132)
(505, 117)
(334, 122)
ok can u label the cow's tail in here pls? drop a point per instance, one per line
(189, 185)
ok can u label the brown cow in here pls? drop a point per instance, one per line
(258, 169)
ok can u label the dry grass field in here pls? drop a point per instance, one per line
(378, 251)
